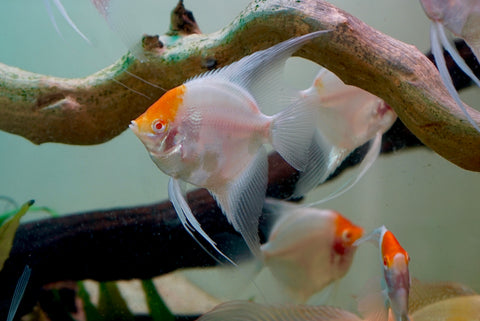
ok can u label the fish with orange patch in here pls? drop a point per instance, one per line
(210, 132)
(308, 248)
(395, 284)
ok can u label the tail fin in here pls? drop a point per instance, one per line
(292, 132)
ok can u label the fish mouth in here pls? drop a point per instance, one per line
(138, 132)
(134, 127)
(153, 142)
(383, 109)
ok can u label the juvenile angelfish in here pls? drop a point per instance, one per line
(395, 283)
(308, 248)
(211, 133)
(347, 118)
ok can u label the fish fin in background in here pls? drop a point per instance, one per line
(19, 291)
(366, 163)
(261, 73)
(251, 311)
(124, 18)
(373, 237)
(348, 117)
(426, 293)
(292, 132)
(323, 158)
(188, 220)
(461, 17)
(436, 31)
(373, 301)
(242, 200)
(58, 4)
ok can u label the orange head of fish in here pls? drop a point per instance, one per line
(154, 123)
(346, 233)
(390, 249)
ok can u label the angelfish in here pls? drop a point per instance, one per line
(211, 133)
(347, 118)
(308, 248)
(395, 284)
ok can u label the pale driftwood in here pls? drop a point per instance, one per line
(97, 108)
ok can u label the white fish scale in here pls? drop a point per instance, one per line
(227, 125)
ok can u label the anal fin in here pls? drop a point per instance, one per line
(188, 220)
(242, 200)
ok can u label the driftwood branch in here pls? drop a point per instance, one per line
(95, 109)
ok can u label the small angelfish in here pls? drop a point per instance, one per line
(211, 133)
(308, 248)
(395, 284)
(462, 18)
(347, 118)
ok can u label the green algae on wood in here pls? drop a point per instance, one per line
(97, 108)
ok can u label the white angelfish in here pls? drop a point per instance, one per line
(347, 118)
(210, 132)
(308, 248)
(462, 18)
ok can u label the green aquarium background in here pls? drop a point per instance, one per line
(431, 205)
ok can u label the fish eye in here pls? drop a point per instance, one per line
(158, 126)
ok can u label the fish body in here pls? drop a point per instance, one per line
(211, 133)
(395, 285)
(204, 141)
(308, 248)
(347, 118)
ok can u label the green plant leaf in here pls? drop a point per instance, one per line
(91, 312)
(111, 304)
(158, 310)
(8, 230)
